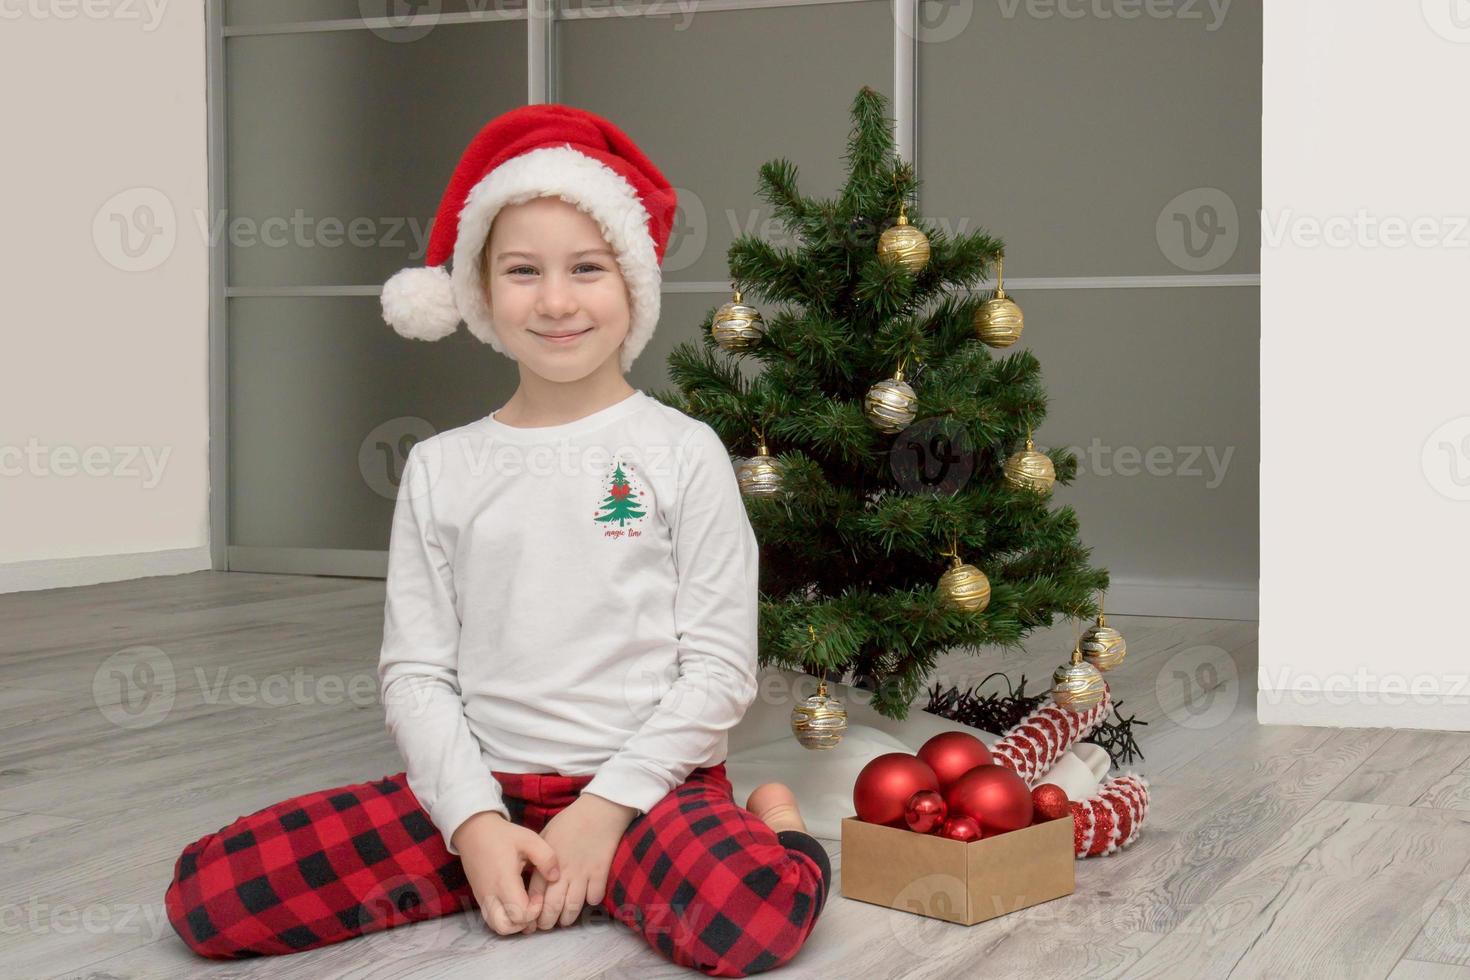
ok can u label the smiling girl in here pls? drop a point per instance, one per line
(560, 695)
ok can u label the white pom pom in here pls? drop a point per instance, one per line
(419, 303)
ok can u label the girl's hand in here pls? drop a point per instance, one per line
(493, 851)
(584, 836)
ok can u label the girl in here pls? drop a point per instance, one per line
(570, 624)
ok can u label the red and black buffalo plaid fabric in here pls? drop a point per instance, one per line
(702, 880)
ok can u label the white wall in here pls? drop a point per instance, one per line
(1365, 434)
(103, 408)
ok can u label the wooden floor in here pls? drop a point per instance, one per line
(1270, 852)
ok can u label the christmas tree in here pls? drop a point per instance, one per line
(621, 503)
(891, 479)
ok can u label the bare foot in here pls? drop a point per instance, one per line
(775, 804)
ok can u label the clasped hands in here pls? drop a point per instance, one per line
(570, 859)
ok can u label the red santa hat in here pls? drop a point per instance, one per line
(538, 151)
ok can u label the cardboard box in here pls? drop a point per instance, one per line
(953, 880)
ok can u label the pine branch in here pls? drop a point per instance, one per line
(870, 148)
(777, 185)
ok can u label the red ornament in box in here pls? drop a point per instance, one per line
(1049, 802)
(961, 827)
(952, 754)
(887, 783)
(995, 796)
(925, 812)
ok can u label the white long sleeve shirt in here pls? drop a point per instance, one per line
(578, 598)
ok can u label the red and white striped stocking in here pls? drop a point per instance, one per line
(1102, 823)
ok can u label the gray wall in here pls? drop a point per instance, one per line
(1072, 139)
(1075, 140)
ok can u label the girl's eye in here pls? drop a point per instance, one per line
(526, 268)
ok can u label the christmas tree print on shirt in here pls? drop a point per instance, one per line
(622, 504)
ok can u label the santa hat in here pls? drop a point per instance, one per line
(538, 151)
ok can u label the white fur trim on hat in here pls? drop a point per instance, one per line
(595, 188)
(419, 303)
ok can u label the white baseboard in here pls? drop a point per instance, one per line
(1189, 600)
(61, 573)
(341, 562)
(1138, 597)
(1363, 709)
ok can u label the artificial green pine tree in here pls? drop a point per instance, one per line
(850, 554)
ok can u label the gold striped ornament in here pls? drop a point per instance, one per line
(903, 244)
(1030, 470)
(1103, 646)
(963, 586)
(759, 475)
(737, 326)
(819, 721)
(1077, 685)
(891, 404)
(998, 321)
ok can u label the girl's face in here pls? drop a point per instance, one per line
(549, 272)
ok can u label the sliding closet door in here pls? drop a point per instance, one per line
(1119, 160)
(341, 130)
(340, 137)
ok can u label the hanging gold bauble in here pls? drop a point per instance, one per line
(759, 475)
(737, 326)
(1077, 685)
(904, 244)
(964, 587)
(819, 721)
(1103, 646)
(1030, 470)
(998, 322)
(891, 405)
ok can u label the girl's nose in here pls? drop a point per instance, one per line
(554, 298)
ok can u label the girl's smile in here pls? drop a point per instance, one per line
(563, 339)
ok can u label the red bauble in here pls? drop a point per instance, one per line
(961, 827)
(952, 754)
(926, 810)
(996, 797)
(885, 785)
(1049, 802)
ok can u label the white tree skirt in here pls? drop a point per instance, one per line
(763, 750)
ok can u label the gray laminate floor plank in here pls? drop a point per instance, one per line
(1279, 851)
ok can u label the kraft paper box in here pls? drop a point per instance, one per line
(954, 880)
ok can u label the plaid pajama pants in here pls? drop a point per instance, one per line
(702, 880)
